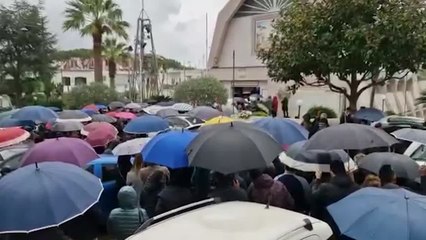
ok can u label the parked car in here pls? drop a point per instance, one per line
(10, 158)
(393, 123)
(234, 220)
(185, 121)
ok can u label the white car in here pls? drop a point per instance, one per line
(234, 221)
(417, 152)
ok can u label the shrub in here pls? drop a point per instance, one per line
(313, 111)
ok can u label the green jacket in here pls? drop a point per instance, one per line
(124, 221)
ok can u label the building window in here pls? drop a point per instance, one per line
(80, 81)
(66, 81)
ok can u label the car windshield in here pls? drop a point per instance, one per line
(10, 152)
(419, 154)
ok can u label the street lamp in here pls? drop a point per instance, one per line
(383, 102)
(299, 103)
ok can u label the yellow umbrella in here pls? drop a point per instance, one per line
(218, 120)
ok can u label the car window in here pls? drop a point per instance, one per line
(11, 152)
(13, 162)
(177, 122)
(110, 172)
(419, 154)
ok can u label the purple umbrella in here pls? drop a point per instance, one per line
(68, 150)
(205, 113)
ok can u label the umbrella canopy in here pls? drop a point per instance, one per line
(175, 142)
(381, 214)
(133, 106)
(95, 107)
(232, 147)
(369, 114)
(107, 128)
(154, 109)
(73, 115)
(45, 195)
(103, 118)
(403, 166)
(11, 122)
(284, 130)
(90, 112)
(36, 114)
(68, 150)
(182, 107)
(55, 109)
(100, 138)
(317, 160)
(146, 124)
(130, 147)
(116, 105)
(205, 113)
(122, 115)
(218, 120)
(295, 149)
(410, 134)
(166, 104)
(69, 126)
(12, 136)
(8, 114)
(350, 136)
(167, 112)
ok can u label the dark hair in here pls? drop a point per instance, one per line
(181, 177)
(222, 180)
(337, 167)
(255, 174)
(386, 174)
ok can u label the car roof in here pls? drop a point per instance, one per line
(232, 220)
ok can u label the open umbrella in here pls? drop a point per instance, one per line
(146, 124)
(90, 112)
(36, 114)
(205, 113)
(100, 138)
(69, 126)
(350, 136)
(122, 115)
(130, 147)
(317, 160)
(48, 195)
(167, 112)
(381, 214)
(410, 134)
(403, 166)
(116, 105)
(68, 150)
(166, 104)
(55, 109)
(10, 122)
(175, 142)
(102, 126)
(369, 114)
(12, 136)
(219, 120)
(154, 109)
(285, 131)
(7, 114)
(103, 118)
(182, 107)
(294, 149)
(133, 106)
(73, 115)
(232, 147)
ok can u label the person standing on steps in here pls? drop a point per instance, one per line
(284, 106)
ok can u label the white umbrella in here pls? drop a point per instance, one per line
(133, 106)
(182, 107)
(153, 109)
(130, 147)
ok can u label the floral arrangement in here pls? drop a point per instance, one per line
(244, 114)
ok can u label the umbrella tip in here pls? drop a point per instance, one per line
(232, 124)
(36, 165)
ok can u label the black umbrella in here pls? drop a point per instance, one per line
(167, 112)
(232, 147)
(116, 105)
(350, 136)
(73, 115)
(103, 118)
(403, 166)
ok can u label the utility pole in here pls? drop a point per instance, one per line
(142, 52)
(233, 78)
(207, 42)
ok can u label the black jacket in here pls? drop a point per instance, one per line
(229, 194)
(172, 197)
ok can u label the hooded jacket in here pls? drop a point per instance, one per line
(126, 219)
(264, 189)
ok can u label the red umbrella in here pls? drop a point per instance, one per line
(100, 138)
(91, 107)
(122, 115)
(101, 126)
(12, 136)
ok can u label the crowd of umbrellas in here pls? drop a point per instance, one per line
(52, 175)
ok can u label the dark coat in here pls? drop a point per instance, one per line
(85, 227)
(228, 194)
(297, 191)
(264, 189)
(172, 197)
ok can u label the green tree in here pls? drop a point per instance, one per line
(80, 96)
(26, 49)
(114, 51)
(95, 18)
(359, 44)
(201, 91)
(65, 55)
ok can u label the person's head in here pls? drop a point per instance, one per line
(137, 162)
(348, 110)
(307, 117)
(127, 197)
(387, 175)
(181, 177)
(222, 180)
(323, 116)
(270, 170)
(254, 174)
(157, 180)
(337, 168)
(371, 181)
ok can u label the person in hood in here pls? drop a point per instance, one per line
(125, 220)
(227, 188)
(339, 186)
(264, 189)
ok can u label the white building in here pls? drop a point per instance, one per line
(243, 26)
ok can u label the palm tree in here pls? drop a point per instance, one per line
(114, 51)
(95, 18)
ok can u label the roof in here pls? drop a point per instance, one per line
(232, 220)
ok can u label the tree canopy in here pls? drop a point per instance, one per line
(347, 45)
(201, 91)
(82, 95)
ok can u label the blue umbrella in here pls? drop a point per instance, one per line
(35, 113)
(44, 196)
(285, 131)
(10, 122)
(295, 148)
(55, 109)
(101, 106)
(146, 124)
(369, 114)
(381, 214)
(175, 142)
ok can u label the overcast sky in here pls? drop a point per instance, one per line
(178, 25)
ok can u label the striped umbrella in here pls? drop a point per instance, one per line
(182, 107)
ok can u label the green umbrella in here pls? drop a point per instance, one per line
(7, 114)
